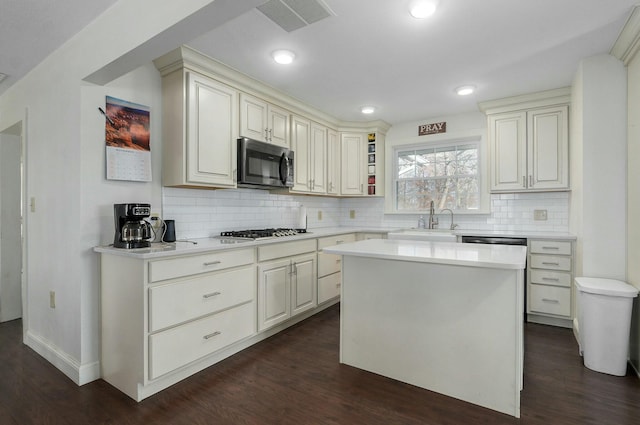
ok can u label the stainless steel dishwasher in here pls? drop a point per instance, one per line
(502, 240)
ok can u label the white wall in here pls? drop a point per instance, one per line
(633, 200)
(65, 171)
(598, 172)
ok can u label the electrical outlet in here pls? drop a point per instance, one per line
(540, 215)
(319, 215)
(352, 214)
(52, 299)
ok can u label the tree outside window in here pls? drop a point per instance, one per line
(447, 174)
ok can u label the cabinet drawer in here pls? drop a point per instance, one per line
(186, 266)
(181, 345)
(552, 262)
(329, 287)
(328, 263)
(550, 247)
(550, 300)
(285, 249)
(189, 299)
(335, 240)
(547, 277)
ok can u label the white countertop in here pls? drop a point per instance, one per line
(194, 246)
(461, 254)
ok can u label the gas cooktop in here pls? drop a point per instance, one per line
(262, 233)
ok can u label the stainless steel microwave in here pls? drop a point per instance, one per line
(263, 165)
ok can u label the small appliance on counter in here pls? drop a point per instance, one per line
(132, 230)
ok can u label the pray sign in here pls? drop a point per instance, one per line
(438, 127)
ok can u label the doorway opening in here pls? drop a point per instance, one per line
(12, 226)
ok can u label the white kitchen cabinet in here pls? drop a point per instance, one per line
(330, 267)
(309, 142)
(159, 327)
(261, 120)
(333, 162)
(529, 144)
(353, 150)
(286, 288)
(200, 126)
(550, 273)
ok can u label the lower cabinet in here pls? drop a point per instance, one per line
(550, 273)
(286, 288)
(330, 267)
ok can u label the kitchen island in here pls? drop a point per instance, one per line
(443, 316)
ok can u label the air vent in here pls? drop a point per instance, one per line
(291, 15)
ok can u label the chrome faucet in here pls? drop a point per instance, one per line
(453, 226)
(433, 220)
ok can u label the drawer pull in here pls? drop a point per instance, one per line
(551, 279)
(211, 335)
(549, 300)
(339, 242)
(550, 264)
(339, 260)
(550, 247)
(212, 263)
(213, 294)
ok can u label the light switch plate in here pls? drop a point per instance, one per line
(540, 215)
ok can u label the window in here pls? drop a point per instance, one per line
(448, 174)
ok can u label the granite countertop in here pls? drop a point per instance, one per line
(451, 253)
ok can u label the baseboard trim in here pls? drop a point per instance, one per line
(80, 374)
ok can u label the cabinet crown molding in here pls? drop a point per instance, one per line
(527, 101)
(628, 42)
(190, 59)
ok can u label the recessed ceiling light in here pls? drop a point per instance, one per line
(283, 57)
(423, 9)
(367, 109)
(465, 90)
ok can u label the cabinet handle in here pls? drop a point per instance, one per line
(294, 268)
(338, 285)
(270, 134)
(524, 181)
(550, 264)
(549, 300)
(339, 242)
(213, 294)
(550, 247)
(266, 134)
(530, 180)
(338, 261)
(361, 187)
(211, 263)
(211, 335)
(551, 279)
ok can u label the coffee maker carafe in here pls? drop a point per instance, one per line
(132, 231)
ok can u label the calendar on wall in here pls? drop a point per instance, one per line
(127, 139)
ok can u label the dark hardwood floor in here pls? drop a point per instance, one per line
(295, 378)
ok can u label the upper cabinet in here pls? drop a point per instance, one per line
(529, 142)
(263, 121)
(353, 148)
(333, 163)
(309, 144)
(200, 119)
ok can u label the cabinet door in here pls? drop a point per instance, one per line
(278, 124)
(303, 284)
(353, 160)
(508, 164)
(211, 132)
(333, 162)
(253, 117)
(274, 293)
(548, 146)
(301, 143)
(318, 158)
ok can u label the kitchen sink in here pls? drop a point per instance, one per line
(438, 235)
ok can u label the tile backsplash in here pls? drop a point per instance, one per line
(203, 213)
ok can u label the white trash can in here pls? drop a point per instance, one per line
(604, 322)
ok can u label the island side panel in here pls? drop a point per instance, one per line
(455, 330)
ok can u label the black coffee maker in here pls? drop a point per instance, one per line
(132, 230)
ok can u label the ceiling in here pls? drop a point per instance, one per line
(372, 52)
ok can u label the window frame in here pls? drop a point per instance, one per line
(393, 149)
